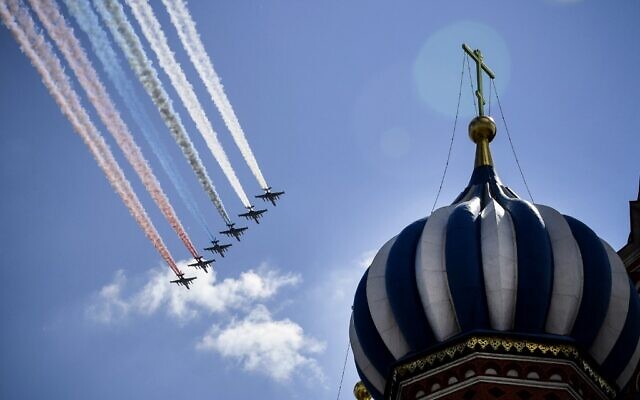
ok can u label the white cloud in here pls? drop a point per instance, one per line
(277, 348)
(108, 305)
(207, 294)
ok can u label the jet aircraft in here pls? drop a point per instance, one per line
(202, 263)
(253, 214)
(234, 232)
(269, 195)
(218, 248)
(182, 281)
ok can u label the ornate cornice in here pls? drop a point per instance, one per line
(498, 345)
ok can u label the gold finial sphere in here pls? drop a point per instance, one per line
(361, 392)
(482, 128)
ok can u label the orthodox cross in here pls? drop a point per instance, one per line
(480, 66)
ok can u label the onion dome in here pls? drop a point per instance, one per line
(493, 262)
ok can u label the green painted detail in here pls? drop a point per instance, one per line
(480, 66)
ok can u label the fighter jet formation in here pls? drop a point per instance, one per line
(220, 249)
(48, 38)
(232, 231)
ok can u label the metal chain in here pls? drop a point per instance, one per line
(473, 89)
(346, 356)
(490, 96)
(453, 134)
(513, 149)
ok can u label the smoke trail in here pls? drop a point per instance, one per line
(71, 48)
(186, 27)
(154, 34)
(42, 57)
(90, 24)
(116, 20)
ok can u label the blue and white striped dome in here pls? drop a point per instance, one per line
(493, 262)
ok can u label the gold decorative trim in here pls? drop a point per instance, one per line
(360, 392)
(508, 345)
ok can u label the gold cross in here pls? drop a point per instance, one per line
(480, 66)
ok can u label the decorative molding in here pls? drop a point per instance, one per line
(493, 344)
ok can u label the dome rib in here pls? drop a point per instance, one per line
(403, 290)
(379, 306)
(620, 356)
(371, 377)
(566, 294)
(366, 331)
(464, 269)
(596, 290)
(625, 375)
(499, 264)
(431, 276)
(535, 263)
(617, 311)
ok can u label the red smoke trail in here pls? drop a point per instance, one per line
(118, 23)
(71, 48)
(42, 57)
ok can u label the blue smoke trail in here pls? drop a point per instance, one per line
(88, 21)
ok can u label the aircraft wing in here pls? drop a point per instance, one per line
(262, 196)
(209, 248)
(184, 280)
(247, 214)
(242, 229)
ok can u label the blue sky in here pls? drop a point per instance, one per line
(349, 108)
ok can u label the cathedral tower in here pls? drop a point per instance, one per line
(494, 297)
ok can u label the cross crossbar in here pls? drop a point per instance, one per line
(476, 55)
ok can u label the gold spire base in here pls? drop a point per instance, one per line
(482, 130)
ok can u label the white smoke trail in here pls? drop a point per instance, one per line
(90, 23)
(73, 52)
(156, 37)
(116, 20)
(15, 16)
(186, 27)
